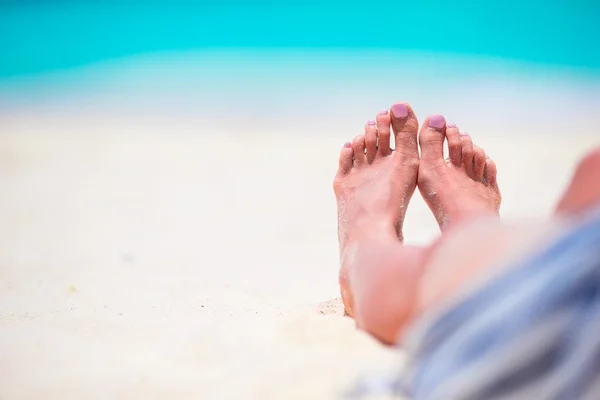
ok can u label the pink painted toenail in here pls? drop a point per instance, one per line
(370, 122)
(383, 112)
(347, 144)
(400, 110)
(437, 121)
(451, 125)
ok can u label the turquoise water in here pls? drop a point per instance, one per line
(38, 37)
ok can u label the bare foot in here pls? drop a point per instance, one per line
(462, 187)
(374, 184)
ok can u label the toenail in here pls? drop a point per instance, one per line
(463, 134)
(371, 122)
(451, 125)
(383, 112)
(348, 144)
(487, 157)
(400, 110)
(437, 121)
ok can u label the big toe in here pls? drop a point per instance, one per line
(431, 138)
(405, 126)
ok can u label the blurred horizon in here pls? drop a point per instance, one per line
(271, 62)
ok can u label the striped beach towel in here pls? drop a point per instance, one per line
(531, 333)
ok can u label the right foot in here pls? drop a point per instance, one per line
(462, 187)
(374, 184)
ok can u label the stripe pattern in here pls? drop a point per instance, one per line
(532, 333)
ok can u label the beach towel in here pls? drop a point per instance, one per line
(531, 333)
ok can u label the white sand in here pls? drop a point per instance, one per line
(152, 256)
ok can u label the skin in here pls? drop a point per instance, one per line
(386, 285)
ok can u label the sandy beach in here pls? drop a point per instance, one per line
(152, 254)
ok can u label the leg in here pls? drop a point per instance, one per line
(379, 277)
(527, 331)
(385, 285)
(584, 189)
(478, 250)
(373, 188)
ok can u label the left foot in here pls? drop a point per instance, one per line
(374, 184)
(461, 188)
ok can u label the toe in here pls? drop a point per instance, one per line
(358, 147)
(478, 163)
(467, 153)
(383, 133)
(431, 138)
(346, 158)
(371, 140)
(405, 126)
(490, 172)
(454, 144)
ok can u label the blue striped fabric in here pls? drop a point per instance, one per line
(532, 333)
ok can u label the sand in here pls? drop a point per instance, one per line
(152, 255)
